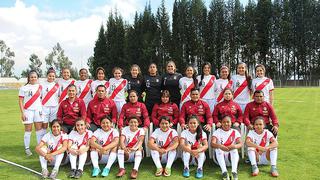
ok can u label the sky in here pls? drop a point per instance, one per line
(35, 26)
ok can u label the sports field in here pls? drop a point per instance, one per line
(298, 110)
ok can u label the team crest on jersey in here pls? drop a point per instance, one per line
(76, 104)
(95, 106)
(221, 87)
(233, 108)
(174, 77)
(47, 89)
(185, 86)
(106, 109)
(79, 90)
(148, 83)
(50, 147)
(30, 93)
(238, 84)
(157, 80)
(200, 106)
(138, 82)
(65, 106)
(100, 142)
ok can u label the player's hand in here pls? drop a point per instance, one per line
(207, 127)
(218, 125)
(262, 149)
(162, 151)
(224, 148)
(23, 117)
(74, 152)
(232, 146)
(88, 125)
(236, 124)
(250, 127)
(127, 150)
(275, 129)
(183, 126)
(171, 124)
(195, 153)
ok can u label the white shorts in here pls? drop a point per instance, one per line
(49, 113)
(33, 116)
(119, 105)
(227, 157)
(211, 103)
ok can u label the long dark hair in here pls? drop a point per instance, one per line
(53, 122)
(199, 128)
(29, 74)
(202, 74)
(248, 77)
(194, 76)
(98, 69)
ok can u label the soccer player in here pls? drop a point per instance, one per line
(118, 88)
(222, 83)
(262, 83)
(78, 145)
(130, 148)
(100, 80)
(262, 148)
(31, 109)
(135, 81)
(163, 143)
(104, 143)
(51, 149)
(64, 84)
(187, 83)
(226, 142)
(84, 86)
(193, 142)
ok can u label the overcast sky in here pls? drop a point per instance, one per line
(35, 26)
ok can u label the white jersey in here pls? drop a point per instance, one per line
(84, 86)
(244, 96)
(132, 138)
(267, 88)
(52, 142)
(79, 139)
(184, 83)
(96, 83)
(164, 139)
(191, 138)
(63, 84)
(54, 99)
(27, 92)
(205, 81)
(104, 138)
(263, 139)
(113, 84)
(226, 137)
(219, 86)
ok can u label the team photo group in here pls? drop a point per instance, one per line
(194, 116)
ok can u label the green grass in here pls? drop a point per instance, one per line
(297, 110)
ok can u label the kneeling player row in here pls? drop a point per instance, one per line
(105, 146)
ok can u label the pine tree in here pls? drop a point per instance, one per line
(100, 52)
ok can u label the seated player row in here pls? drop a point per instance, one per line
(105, 146)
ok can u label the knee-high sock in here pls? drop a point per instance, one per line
(186, 158)
(39, 135)
(273, 157)
(43, 162)
(94, 159)
(234, 160)
(82, 160)
(156, 158)
(121, 158)
(73, 161)
(59, 158)
(201, 159)
(137, 160)
(112, 158)
(171, 157)
(221, 161)
(26, 139)
(252, 157)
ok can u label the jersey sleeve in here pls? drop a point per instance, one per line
(269, 136)
(96, 133)
(64, 136)
(72, 135)
(115, 133)
(271, 85)
(237, 135)
(215, 134)
(184, 134)
(142, 132)
(204, 135)
(45, 138)
(90, 134)
(250, 135)
(174, 133)
(21, 90)
(154, 134)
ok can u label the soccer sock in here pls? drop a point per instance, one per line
(112, 158)
(171, 157)
(121, 158)
(273, 157)
(94, 159)
(26, 139)
(156, 158)
(59, 158)
(221, 161)
(39, 135)
(137, 160)
(186, 159)
(234, 160)
(82, 160)
(201, 159)
(43, 162)
(73, 161)
(252, 157)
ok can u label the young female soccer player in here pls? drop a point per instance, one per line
(78, 146)
(262, 147)
(100, 80)
(226, 142)
(193, 142)
(104, 143)
(165, 108)
(241, 86)
(206, 84)
(135, 80)
(187, 83)
(84, 86)
(130, 148)
(31, 109)
(163, 143)
(222, 83)
(64, 84)
(228, 108)
(51, 149)
(261, 82)
(118, 88)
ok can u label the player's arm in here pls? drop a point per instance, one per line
(94, 144)
(173, 145)
(215, 145)
(114, 143)
(62, 149)
(139, 145)
(184, 146)
(273, 144)
(38, 149)
(23, 118)
(238, 144)
(204, 146)
(152, 145)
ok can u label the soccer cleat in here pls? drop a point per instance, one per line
(72, 173)
(121, 172)
(159, 172)
(167, 172)
(28, 152)
(95, 172)
(225, 176)
(199, 173)
(274, 171)
(78, 174)
(255, 170)
(134, 174)
(105, 172)
(45, 173)
(53, 174)
(234, 176)
(186, 172)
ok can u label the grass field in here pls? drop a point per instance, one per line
(299, 156)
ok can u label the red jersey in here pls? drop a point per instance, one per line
(69, 112)
(199, 108)
(99, 108)
(229, 108)
(264, 109)
(137, 109)
(165, 109)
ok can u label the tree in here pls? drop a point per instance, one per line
(35, 64)
(6, 60)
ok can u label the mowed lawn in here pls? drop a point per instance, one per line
(299, 156)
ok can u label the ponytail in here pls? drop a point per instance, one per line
(199, 128)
